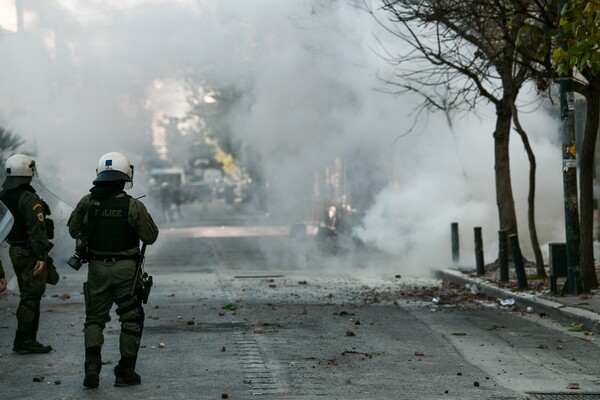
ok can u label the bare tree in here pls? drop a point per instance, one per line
(466, 49)
(8, 142)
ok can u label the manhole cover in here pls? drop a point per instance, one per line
(564, 396)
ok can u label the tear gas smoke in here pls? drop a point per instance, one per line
(84, 78)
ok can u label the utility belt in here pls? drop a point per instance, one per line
(24, 245)
(114, 258)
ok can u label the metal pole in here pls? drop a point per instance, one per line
(518, 261)
(567, 116)
(503, 254)
(455, 247)
(479, 252)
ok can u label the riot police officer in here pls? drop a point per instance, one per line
(113, 224)
(29, 247)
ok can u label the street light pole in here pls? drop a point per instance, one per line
(569, 154)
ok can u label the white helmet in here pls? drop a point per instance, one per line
(19, 169)
(114, 166)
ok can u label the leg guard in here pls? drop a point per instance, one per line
(92, 366)
(131, 316)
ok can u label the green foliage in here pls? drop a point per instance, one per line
(580, 35)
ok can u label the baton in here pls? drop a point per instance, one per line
(140, 265)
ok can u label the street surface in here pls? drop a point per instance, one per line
(241, 310)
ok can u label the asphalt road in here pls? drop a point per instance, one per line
(240, 310)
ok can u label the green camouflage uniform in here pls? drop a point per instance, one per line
(110, 279)
(28, 240)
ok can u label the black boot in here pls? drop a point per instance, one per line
(92, 366)
(125, 373)
(32, 347)
(25, 340)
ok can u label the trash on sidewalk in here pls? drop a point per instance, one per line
(473, 288)
(507, 302)
(436, 300)
(530, 310)
(573, 386)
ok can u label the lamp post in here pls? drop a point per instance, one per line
(569, 160)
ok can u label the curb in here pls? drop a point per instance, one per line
(554, 310)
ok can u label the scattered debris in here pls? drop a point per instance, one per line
(507, 302)
(223, 349)
(302, 283)
(57, 382)
(436, 301)
(476, 384)
(367, 355)
(224, 395)
(107, 362)
(161, 345)
(230, 306)
(38, 379)
(259, 330)
(495, 327)
(419, 353)
(350, 333)
(577, 328)
(530, 310)
(573, 386)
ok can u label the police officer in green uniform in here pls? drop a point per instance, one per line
(29, 247)
(113, 224)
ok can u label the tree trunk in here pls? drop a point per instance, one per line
(589, 279)
(504, 193)
(535, 243)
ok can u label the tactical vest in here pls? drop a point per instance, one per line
(107, 227)
(18, 232)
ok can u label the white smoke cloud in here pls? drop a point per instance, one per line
(81, 81)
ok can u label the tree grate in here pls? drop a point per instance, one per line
(563, 396)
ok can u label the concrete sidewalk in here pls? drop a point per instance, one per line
(570, 310)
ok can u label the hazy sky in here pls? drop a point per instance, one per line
(88, 77)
